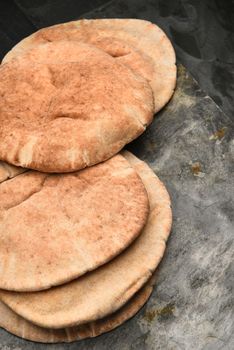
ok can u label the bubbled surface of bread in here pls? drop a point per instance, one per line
(66, 105)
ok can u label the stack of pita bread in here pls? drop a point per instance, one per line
(82, 226)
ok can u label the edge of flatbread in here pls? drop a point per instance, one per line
(20, 327)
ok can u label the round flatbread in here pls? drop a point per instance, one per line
(139, 44)
(68, 105)
(109, 287)
(54, 228)
(17, 325)
(8, 171)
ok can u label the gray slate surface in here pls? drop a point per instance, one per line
(189, 145)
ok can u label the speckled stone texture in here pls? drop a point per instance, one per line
(190, 146)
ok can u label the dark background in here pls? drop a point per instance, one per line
(202, 32)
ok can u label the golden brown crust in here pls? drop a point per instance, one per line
(109, 287)
(124, 39)
(54, 228)
(86, 107)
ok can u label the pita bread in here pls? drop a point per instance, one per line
(109, 287)
(17, 325)
(54, 228)
(86, 107)
(139, 44)
(8, 171)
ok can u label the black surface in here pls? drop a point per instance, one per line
(14, 26)
(43, 13)
(202, 32)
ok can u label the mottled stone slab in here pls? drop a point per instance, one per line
(190, 147)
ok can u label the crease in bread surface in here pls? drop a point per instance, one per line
(57, 227)
(105, 290)
(64, 116)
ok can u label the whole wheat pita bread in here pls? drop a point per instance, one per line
(54, 228)
(17, 325)
(124, 39)
(8, 171)
(68, 105)
(109, 287)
